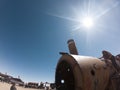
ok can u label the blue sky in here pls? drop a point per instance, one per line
(33, 32)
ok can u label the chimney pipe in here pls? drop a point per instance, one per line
(72, 47)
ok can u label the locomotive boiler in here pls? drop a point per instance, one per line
(76, 72)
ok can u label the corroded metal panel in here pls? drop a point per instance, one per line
(88, 73)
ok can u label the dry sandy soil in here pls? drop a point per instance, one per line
(5, 86)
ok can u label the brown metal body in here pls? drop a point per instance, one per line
(72, 47)
(75, 72)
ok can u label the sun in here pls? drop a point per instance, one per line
(88, 22)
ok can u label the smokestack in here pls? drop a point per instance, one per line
(72, 47)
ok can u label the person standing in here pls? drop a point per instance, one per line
(13, 87)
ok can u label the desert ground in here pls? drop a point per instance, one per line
(6, 86)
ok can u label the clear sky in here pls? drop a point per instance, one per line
(33, 32)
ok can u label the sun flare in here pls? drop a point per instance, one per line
(87, 22)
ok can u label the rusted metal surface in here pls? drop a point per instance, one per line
(75, 72)
(85, 73)
(72, 47)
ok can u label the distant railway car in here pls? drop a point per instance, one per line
(32, 85)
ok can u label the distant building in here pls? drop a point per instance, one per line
(17, 81)
(10, 79)
(5, 78)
